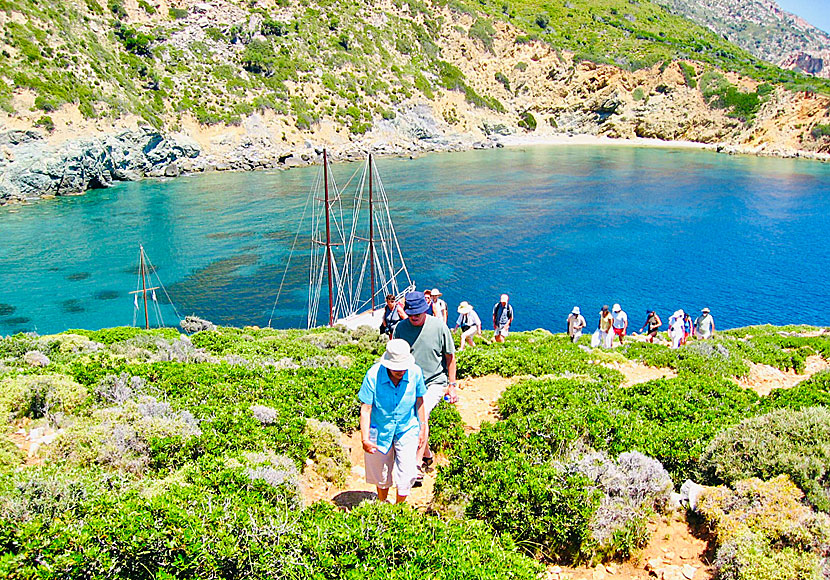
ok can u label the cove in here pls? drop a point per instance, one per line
(553, 226)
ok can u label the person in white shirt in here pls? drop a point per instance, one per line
(469, 322)
(576, 322)
(439, 307)
(620, 321)
(705, 325)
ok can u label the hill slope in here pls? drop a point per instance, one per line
(232, 85)
(762, 28)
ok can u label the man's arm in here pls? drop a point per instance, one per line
(451, 367)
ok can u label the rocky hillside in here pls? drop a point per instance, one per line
(762, 28)
(91, 93)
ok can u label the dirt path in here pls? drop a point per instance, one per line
(672, 554)
(763, 379)
(476, 404)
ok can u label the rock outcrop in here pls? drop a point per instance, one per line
(31, 168)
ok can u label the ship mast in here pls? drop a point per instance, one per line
(371, 235)
(142, 266)
(328, 236)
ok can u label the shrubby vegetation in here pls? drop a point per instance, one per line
(185, 454)
(796, 443)
(765, 532)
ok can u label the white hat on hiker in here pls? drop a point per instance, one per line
(465, 308)
(705, 311)
(436, 292)
(504, 298)
(397, 356)
(575, 310)
(616, 308)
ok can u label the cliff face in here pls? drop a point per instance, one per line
(765, 30)
(232, 89)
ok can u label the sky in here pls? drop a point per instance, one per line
(816, 12)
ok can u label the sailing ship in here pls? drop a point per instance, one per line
(146, 271)
(354, 251)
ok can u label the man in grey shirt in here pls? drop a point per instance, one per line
(434, 350)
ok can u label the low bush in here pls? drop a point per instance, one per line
(37, 396)
(10, 455)
(765, 532)
(224, 523)
(327, 450)
(446, 429)
(133, 437)
(795, 443)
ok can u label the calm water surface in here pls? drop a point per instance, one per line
(552, 226)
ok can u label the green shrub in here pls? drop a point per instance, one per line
(527, 121)
(446, 429)
(147, 7)
(764, 531)
(37, 396)
(46, 122)
(689, 74)
(638, 94)
(178, 13)
(134, 41)
(502, 78)
(10, 455)
(796, 443)
(327, 450)
(483, 31)
(818, 131)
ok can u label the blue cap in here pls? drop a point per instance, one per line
(415, 303)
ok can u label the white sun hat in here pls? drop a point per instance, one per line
(575, 310)
(397, 356)
(465, 308)
(616, 308)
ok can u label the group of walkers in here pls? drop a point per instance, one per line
(415, 373)
(418, 370)
(615, 323)
(468, 319)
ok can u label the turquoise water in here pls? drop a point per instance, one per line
(552, 226)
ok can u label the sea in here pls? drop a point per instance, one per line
(552, 226)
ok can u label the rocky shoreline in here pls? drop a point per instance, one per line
(31, 168)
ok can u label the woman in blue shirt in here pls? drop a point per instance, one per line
(392, 423)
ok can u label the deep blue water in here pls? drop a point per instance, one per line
(552, 226)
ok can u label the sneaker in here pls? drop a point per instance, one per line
(427, 466)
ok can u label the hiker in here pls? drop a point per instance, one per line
(469, 322)
(676, 329)
(502, 318)
(620, 322)
(428, 297)
(606, 322)
(705, 325)
(393, 313)
(439, 307)
(688, 327)
(576, 322)
(434, 350)
(652, 323)
(392, 420)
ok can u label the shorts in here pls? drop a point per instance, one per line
(501, 331)
(619, 331)
(435, 392)
(398, 465)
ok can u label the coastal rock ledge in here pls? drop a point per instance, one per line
(30, 168)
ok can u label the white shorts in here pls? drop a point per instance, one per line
(435, 393)
(501, 331)
(398, 465)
